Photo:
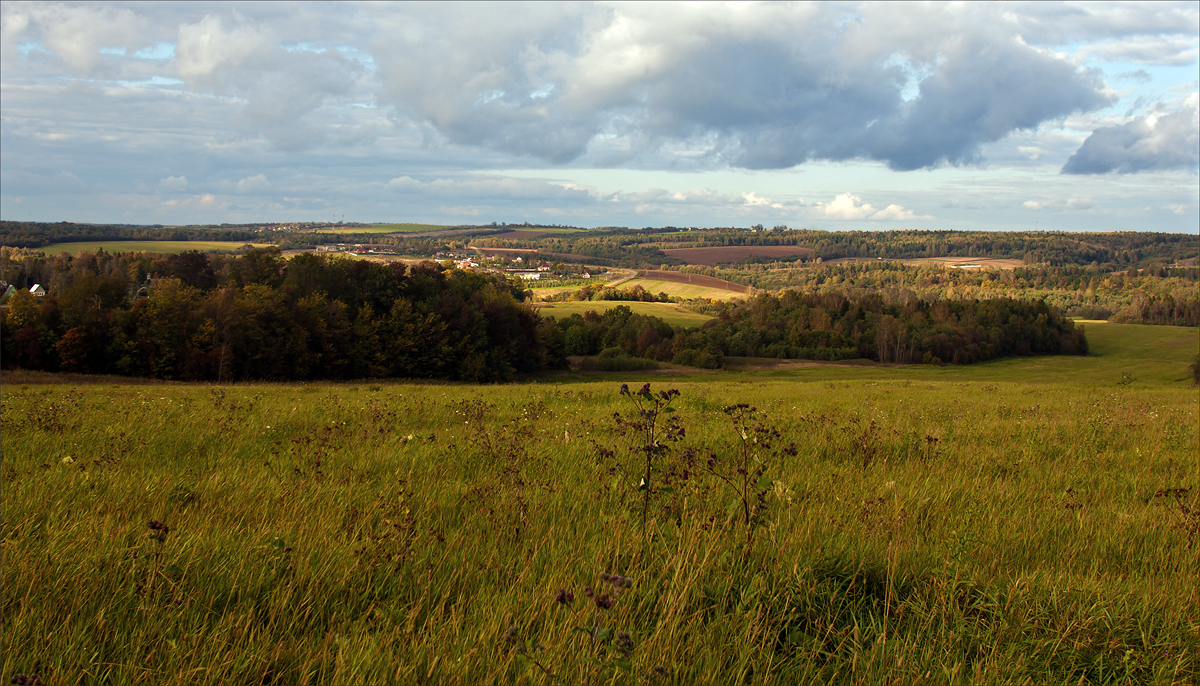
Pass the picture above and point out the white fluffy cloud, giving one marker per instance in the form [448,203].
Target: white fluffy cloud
[73,35]
[850,206]
[253,184]
[1059,204]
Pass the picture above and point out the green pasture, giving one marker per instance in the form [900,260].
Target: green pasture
[668,312]
[147,246]
[682,290]
[1121,355]
[1015,522]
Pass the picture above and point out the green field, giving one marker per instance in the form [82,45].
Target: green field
[1152,356]
[681,290]
[147,246]
[1009,522]
[669,312]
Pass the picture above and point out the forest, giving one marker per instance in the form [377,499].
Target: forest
[835,326]
[194,316]
[40,234]
[1108,250]
[261,316]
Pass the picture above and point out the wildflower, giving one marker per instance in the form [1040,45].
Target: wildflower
[603,601]
[156,525]
[564,597]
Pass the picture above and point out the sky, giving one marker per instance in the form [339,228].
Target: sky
[833,116]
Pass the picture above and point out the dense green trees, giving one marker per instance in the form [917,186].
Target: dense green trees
[642,248]
[835,326]
[38,234]
[262,317]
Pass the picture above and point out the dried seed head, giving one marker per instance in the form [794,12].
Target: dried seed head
[510,636]
[624,643]
[603,601]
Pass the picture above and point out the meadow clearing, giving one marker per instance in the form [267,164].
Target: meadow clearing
[1020,521]
[681,290]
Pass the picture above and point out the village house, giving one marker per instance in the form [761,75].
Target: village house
[37,290]
[527,274]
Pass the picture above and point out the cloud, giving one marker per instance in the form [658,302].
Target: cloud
[205,201]
[280,88]
[1157,141]
[572,197]
[1139,76]
[75,35]
[253,184]
[898,213]
[332,101]
[1154,50]
[173,184]
[914,87]
[845,206]
[850,206]
[487,186]
[1059,204]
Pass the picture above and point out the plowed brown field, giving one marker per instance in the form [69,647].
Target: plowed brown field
[732,253]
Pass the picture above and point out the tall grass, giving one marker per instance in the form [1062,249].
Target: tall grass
[924,531]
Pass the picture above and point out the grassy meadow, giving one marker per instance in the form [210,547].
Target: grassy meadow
[682,290]
[148,246]
[1021,521]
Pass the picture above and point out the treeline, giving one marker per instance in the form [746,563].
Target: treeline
[601,292]
[261,317]
[633,247]
[610,247]
[1113,250]
[1147,296]
[38,234]
[835,326]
